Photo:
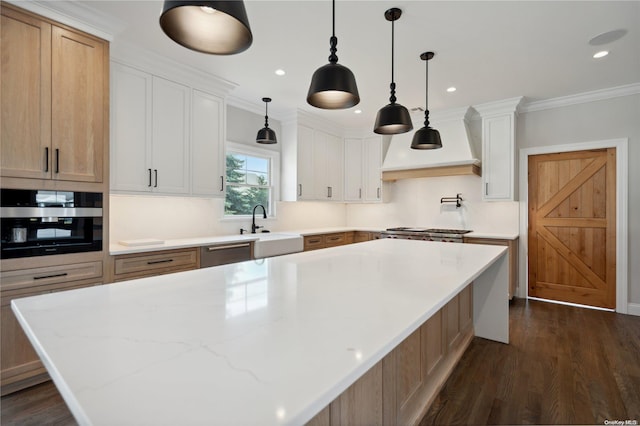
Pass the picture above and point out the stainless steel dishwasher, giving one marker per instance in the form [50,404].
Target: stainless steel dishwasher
[221,254]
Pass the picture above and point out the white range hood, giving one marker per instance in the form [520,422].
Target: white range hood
[456,157]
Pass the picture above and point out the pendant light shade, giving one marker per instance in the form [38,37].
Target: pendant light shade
[426,137]
[215,27]
[266,135]
[393,118]
[333,86]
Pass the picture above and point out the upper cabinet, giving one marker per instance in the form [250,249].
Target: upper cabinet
[54,98]
[166,137]
[362,162]
[312,163]
[498,149]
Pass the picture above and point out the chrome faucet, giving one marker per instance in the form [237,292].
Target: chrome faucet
[253,220]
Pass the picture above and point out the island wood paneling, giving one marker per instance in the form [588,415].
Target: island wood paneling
[399,389]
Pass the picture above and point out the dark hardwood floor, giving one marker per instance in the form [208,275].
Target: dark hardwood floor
[564,365]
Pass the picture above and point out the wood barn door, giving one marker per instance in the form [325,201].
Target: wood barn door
[572,227]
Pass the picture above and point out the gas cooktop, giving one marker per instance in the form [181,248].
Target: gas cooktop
[430,230]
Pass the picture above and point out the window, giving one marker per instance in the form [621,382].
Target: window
[250,180]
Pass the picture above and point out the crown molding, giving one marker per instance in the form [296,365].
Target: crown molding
[505,106]
[581,98]
[75,14]
[258,108]
[161,66]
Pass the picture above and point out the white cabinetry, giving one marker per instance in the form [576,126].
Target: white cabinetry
[312,164]
[207,145]
[362,178]
[328,167]
[498,149]
[166,138]
[170,150]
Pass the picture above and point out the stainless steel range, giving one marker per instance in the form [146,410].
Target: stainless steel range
[426,234]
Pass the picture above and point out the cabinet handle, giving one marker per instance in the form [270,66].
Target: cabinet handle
[155,171]
[334,238]
[486,188]
[299,190]
[314,241]
[328,192]
[155,262]
[46,159]
[360,193]
[57,160]
[230,246]
[378,192]
[42,277]
[221,183]
[149,178]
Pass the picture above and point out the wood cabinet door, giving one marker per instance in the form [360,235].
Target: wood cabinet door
[170,153]
[572,227]
[26,96]
[79,76]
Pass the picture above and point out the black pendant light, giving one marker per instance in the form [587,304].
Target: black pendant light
[216,27]
[426,137]
[393,118]
[266,135]
[333,86]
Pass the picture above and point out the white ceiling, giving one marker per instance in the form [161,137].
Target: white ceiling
[489,50]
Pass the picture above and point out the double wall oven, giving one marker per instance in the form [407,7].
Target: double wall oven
[40,223]
[426,234]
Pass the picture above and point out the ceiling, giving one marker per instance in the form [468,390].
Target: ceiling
[488,50]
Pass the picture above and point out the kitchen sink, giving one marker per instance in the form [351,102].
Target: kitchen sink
[276,244]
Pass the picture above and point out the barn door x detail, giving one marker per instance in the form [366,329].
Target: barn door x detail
[572,227]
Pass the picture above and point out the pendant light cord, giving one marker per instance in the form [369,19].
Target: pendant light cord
[333,58]
[392,98]
[266,114]
[426,95]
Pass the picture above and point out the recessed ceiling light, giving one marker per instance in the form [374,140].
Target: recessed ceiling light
[358,111]
[451,89]
[280,72]
[601,54]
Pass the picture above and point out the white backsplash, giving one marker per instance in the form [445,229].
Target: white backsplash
[416,202]
[162,217]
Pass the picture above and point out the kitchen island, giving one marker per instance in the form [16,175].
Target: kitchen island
[271,341]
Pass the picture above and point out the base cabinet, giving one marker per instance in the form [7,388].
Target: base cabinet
[20,365]
[148,264]
[399,389]
[513,257]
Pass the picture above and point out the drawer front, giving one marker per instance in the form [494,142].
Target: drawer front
[50,275]
[312,242]
[338,239]
[223,254]
[362,236]
[486,241]
[156,262]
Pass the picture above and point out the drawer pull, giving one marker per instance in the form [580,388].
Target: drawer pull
[230,246]
[155,262]
[314,241]
[42,277]
[334,238]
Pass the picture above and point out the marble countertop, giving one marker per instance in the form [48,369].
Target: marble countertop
[116,249]
[270,341]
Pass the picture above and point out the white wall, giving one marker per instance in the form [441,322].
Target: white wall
[416,202]
[243,126]
[594,121]
[152,216]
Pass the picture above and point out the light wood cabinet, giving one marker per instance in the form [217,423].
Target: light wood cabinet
[54,100]
[147,264]
[320,241]
[399,388]
[513,257]
[19,364]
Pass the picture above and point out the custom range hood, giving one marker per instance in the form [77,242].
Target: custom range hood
[458,156]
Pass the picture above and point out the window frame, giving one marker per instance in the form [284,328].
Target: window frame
[274,175]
